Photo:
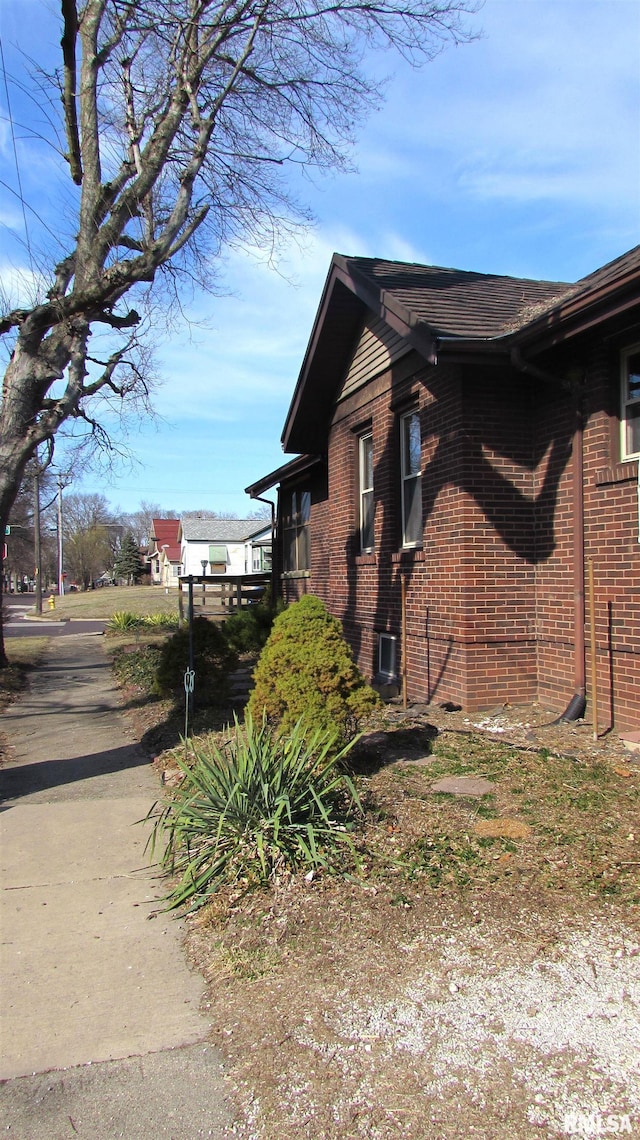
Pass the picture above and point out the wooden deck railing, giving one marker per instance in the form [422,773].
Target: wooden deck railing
[220,595]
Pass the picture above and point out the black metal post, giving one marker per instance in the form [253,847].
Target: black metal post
[191,638]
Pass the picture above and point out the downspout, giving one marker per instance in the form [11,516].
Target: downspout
[259,499]
[578,703]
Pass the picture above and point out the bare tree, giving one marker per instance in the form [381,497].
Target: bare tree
[20,562]
[140,522]
[180,119]
[91,536]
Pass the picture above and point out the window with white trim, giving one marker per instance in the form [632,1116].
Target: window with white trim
[411,479]
[262,558]
[366,492]
[387,656]
[630,404]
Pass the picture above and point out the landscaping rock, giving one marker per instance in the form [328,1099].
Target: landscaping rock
[463,786]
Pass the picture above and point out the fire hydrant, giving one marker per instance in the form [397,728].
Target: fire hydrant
[52,602]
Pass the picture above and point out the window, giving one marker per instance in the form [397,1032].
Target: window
[630,410]
[262,558]
[387,643]
[218,559]
[366,493]
[411,458]
[297,512]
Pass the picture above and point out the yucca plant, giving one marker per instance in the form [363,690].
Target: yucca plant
[122,621]
[261,804]
[161,620]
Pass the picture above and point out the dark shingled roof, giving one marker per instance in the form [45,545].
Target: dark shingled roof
[440,310]
[456,302]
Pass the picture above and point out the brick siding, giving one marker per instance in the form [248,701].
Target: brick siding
[490,596]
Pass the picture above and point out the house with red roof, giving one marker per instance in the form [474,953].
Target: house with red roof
[464,488]
[164,552]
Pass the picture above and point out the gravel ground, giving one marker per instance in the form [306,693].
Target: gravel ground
[351,1010]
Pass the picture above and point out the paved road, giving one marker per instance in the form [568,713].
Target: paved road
[102,1032]
[21,622]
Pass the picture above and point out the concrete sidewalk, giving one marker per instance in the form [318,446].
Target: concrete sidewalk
[92,974]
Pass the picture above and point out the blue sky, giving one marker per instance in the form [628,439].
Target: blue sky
[518,153]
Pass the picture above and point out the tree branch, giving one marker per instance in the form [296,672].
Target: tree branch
[68,45]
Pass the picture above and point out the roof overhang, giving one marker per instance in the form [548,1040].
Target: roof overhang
[608,300]
[292,470]
[346,297]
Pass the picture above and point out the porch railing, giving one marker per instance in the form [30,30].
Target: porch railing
[220,595]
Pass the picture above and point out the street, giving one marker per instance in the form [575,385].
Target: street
[17,624]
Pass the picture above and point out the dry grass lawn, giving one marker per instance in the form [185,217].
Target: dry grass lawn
[480,974]
[102,603]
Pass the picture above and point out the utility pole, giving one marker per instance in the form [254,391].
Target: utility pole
[36,538]
[60,562]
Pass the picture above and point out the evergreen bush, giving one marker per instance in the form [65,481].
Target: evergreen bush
[213,661]
[248,629]
[306,672]
[128,562]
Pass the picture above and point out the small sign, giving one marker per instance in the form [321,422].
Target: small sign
[7,530]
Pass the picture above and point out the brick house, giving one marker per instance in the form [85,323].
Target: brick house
[468,457]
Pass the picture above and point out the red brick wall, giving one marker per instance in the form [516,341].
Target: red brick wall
[490,597]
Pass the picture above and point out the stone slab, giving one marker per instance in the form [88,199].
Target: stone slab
[463,786]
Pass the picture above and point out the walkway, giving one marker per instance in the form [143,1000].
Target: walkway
[92,974]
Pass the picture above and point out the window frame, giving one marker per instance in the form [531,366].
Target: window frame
[407,476]
[366,498]
[627,401]
[390,639]
[262,560]
[296,535]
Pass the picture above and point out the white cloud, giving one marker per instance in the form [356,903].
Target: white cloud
[546,103]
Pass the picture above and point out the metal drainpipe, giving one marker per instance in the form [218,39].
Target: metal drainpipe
[578,703]
[259,499]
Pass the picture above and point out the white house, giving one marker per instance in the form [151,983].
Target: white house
[224,546]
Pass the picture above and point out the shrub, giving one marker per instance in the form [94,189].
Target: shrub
[213,660]
[248,629]
[306,671]
[259,805]
[137,667]
[122,621]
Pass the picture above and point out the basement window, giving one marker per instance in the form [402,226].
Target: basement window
[387,656]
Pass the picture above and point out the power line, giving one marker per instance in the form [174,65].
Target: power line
[15,155]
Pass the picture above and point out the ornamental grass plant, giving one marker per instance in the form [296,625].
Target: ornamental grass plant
[260,805]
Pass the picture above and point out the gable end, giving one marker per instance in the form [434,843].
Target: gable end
[377,349]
